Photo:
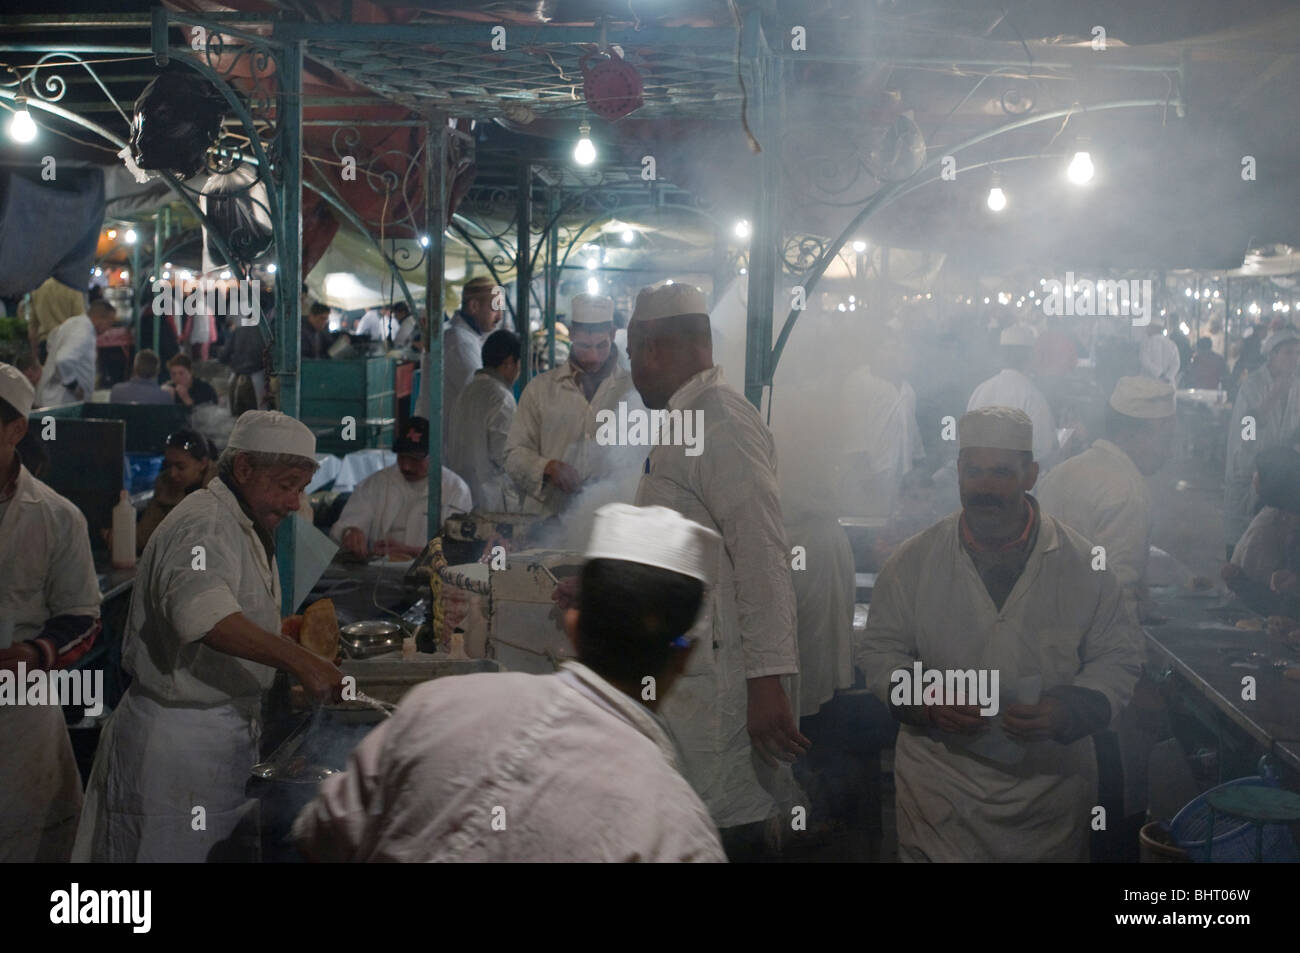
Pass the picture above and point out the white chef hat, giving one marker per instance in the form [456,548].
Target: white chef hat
[1017,335]
[666,301]
[591,309]
[16,389]
[1143,397]
[269,431]
[996,428]
[654,536]
[1280,336]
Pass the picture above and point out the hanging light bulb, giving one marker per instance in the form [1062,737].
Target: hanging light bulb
[742,229]
[628,236]
[859,246]
[112,234]
[1080,169]
[593,286]
[21,127]
[584,153]
[997,199]
[130,236]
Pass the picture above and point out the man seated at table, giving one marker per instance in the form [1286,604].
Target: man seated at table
[388,511]
[1265,567]
[316,337]
[184,387]
[188,465]
[143,386]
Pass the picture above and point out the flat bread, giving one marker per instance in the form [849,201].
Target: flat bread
[320,629]
[1251,625]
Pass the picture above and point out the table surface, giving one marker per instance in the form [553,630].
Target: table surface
[113,582]
[1201,646]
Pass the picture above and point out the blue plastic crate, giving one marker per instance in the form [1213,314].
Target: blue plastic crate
[1235,841]
[142,470]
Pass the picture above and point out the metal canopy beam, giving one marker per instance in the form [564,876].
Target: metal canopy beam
[435,219]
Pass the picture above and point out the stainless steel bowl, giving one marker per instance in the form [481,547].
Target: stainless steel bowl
[372,637]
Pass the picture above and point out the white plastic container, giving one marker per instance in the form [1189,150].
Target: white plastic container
[123,533]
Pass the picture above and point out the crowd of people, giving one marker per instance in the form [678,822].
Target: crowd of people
[987,484]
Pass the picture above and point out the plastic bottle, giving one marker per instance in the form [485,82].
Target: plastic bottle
[123,533]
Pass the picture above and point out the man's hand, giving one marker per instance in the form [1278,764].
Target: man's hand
[321,679]
[22,652]
[1284,580]
[354,541]
[183,393]
[563,476]
[1040,722]
[956,719]
[771,722]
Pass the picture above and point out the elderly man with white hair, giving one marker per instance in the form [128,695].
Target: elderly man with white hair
[202,645]
[731,715]
[1002,589]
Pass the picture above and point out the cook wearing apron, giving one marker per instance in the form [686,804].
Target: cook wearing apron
[49,617]
[202,644]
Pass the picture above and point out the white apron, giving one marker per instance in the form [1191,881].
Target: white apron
[155,794]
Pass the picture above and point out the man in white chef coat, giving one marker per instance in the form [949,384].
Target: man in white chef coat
[68,374]
[480,426]
[998,587]
[1102,493]
[482,306]
[202,645]
[49,617]
[730,714]
[388,512]
[1011,387]
[1267,412]
[1158,355]
[572,767]
[552,452]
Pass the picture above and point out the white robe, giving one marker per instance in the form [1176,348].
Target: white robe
[70,361]
[476,443]
[1281,422]
[48,570]
[498,768]
[188,725]
[1159,358]
[1102,496]
[554,421]
[874,427]
[1010,388]
[1062,621]
[387,506]
[462,355]
[747,627]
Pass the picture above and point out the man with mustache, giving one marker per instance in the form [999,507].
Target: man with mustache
[1000,587]
[202,645]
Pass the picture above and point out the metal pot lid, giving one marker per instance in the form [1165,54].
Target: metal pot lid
[371,630]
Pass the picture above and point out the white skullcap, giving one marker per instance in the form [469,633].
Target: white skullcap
[1280,336]
[1143,397]
[269,431]
[995,428]
[1018,335]
[666,301]
[654,536]
[16,389]
[591,309]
